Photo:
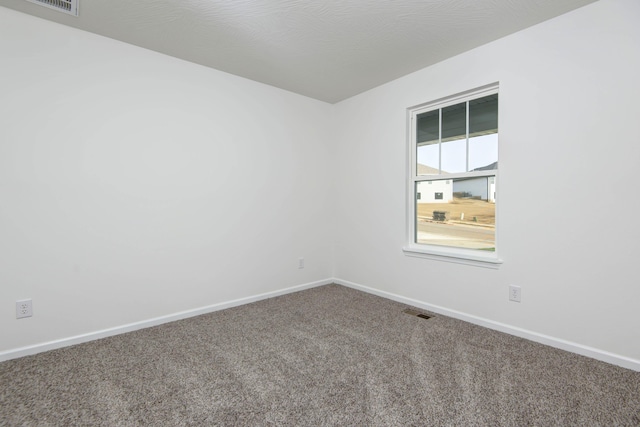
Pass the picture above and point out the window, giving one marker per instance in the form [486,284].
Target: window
[453,146]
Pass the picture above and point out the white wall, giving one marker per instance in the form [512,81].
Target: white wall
[135,185]
[569,91]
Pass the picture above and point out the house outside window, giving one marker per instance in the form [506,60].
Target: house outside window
[453,163]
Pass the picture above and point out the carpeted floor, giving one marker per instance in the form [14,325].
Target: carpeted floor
[325,356]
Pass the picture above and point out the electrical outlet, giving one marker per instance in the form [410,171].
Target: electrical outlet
[514,293]
[24,308]
[300,262]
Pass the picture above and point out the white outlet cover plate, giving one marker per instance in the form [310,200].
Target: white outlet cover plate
[24,308]
[514,293]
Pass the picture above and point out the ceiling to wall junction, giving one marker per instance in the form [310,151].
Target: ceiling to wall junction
[329,49]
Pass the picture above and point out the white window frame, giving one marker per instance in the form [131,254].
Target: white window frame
[444,253]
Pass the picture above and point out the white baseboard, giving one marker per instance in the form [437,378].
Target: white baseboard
[594,353]
[91,336]
[583,350]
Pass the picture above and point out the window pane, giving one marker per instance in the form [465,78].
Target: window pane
[428,127]
[454,122]
[454,156]
[454,138]
[458,213]
[483,152]
[428,159]
[427,143]
[483,115]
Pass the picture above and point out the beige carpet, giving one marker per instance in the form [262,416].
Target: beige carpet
[324,356]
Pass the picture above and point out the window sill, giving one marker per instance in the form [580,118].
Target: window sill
[455,255]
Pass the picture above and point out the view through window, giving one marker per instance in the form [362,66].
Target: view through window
[455,146]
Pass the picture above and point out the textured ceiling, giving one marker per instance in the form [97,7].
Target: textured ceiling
[325,49]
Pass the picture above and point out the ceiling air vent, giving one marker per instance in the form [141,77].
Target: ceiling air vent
[66,6]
